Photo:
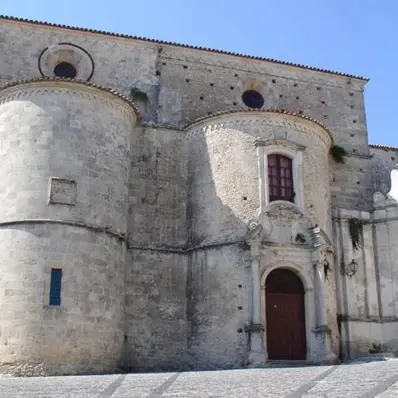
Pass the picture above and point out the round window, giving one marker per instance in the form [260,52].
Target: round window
[252,99]
[65,69]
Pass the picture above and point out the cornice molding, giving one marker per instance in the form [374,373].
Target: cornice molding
[14,89]
[174,44]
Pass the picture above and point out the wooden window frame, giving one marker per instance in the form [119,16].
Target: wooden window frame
[280,178]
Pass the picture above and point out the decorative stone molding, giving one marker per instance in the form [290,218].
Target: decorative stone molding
[44,86]
[297,159]
[62,191]
[351,268]
[282,143]
[261,118]
[66,52]
[381,201]
[283,210]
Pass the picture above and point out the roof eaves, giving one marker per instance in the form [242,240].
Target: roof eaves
[384,147]
[101,32]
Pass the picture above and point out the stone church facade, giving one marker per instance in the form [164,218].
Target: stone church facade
[166,207]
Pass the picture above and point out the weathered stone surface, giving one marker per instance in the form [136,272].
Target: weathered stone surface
[360,380]
[149,217]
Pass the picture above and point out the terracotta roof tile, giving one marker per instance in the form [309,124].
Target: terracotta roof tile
[9,18]
[384,147]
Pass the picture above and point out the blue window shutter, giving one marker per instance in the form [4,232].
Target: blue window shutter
[55,286]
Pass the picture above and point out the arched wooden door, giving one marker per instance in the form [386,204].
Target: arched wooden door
[285,316]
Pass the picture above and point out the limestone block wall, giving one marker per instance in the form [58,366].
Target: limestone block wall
[384,160]
[158,188]
[117,63]
[64,193]
[185,83]
[223,196]
[352,183]
[224,175]
[201,82]
[156,311]
[367,298]
[218,307]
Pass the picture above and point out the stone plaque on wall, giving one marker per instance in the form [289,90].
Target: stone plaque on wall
[62,191]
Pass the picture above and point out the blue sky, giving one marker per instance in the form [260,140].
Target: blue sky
[352,36]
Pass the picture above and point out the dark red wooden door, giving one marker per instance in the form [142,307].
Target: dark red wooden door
[285,317]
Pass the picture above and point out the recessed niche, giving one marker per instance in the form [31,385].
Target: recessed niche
[185,67]
[354,121]
[273,81]
[231,87]
[236,75]
[280,95]
[244,197]
[201,97]
[297,98]
[234,103]
[163,63]
[240,307]
[295,85]
[157,73]
[318,88]
[187,80]
[351,94]
[212,84]
[323,102]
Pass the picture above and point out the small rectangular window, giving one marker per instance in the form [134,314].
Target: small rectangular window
[55,286]
[280,178]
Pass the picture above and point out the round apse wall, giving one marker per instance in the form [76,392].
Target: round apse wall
[66,60]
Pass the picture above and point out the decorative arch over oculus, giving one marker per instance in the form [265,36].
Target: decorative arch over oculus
[66,53]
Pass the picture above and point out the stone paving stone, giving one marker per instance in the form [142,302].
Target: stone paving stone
[142,385]
[55,387]
[359,380]
[242,383]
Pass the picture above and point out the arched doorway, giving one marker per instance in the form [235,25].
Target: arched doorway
[285,316]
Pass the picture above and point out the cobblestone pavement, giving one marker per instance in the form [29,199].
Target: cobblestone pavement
[362,380]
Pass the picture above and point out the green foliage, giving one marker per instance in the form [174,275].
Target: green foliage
[376,349]
[327,269]
[356,227]
[138,95]
[338,153]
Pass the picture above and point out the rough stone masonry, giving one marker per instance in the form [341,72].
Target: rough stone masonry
[167,207]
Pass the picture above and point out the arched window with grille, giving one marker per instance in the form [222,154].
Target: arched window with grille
[280,178]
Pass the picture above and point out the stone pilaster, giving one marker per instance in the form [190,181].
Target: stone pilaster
[322,331]
[255,329]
